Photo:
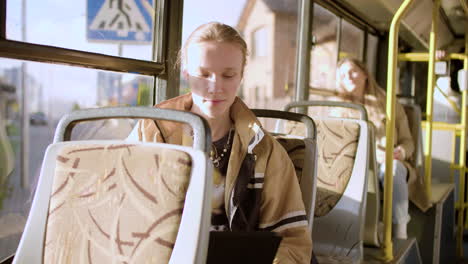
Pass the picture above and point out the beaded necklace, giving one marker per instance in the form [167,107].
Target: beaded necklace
[214,156]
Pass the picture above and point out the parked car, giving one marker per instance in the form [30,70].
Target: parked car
[38,119]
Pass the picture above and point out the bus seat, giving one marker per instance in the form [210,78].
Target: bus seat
[413,113]
[343,167]
[105,201]
[302,153]
[326,196]
[302,150]
[7,156]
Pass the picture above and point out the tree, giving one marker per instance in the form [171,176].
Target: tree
[143,94]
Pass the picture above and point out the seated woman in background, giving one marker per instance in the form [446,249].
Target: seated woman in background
[255,185]
[356,85]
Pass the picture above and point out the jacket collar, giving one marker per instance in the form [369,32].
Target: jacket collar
[247,124]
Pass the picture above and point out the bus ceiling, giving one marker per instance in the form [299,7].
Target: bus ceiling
[416,24]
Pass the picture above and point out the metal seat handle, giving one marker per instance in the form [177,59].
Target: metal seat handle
[358,107]
[306,120]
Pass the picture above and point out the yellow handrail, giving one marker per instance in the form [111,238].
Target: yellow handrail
[450,101]
[423,56]
[452,158]
[390,126]
[461,161]
[430,98]
[443,126]
[458,56]
[413,56]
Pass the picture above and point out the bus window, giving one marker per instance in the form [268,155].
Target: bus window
[351,41]
[269,28]
[324,53]
[51,91]
[118,28]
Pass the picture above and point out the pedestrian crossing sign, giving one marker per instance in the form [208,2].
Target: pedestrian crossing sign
[120,21]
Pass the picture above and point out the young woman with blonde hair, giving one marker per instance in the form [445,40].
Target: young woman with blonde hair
[255,186]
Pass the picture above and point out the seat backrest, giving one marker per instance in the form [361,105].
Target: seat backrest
[337,142]
[302,151]
[346,160]
[118,205]
[117,201]
[303,154]
[326,197]
[343,165]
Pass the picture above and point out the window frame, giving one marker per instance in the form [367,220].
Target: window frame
[168,16]
[305,36]
[167,32]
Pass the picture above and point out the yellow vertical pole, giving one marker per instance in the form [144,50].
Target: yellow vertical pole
[452,162]
[461,161]
[430,97]
[390,126]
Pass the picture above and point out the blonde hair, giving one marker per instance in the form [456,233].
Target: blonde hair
[218,32]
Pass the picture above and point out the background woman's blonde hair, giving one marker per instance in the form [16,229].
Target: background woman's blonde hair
[218,32]
[374,95]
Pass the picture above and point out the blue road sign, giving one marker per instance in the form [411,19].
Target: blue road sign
[120,21]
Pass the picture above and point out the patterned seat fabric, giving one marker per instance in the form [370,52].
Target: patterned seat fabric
[295,148]
[337,143]
[116,203]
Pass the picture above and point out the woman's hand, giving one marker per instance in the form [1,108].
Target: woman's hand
[399,153]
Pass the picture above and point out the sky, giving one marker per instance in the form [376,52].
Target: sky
[63,23]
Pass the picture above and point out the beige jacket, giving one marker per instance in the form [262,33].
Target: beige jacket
[264,197]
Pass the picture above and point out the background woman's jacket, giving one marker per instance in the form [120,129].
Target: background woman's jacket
[375,106]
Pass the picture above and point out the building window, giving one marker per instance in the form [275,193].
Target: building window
[259,42]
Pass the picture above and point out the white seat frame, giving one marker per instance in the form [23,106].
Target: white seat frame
[340,233]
